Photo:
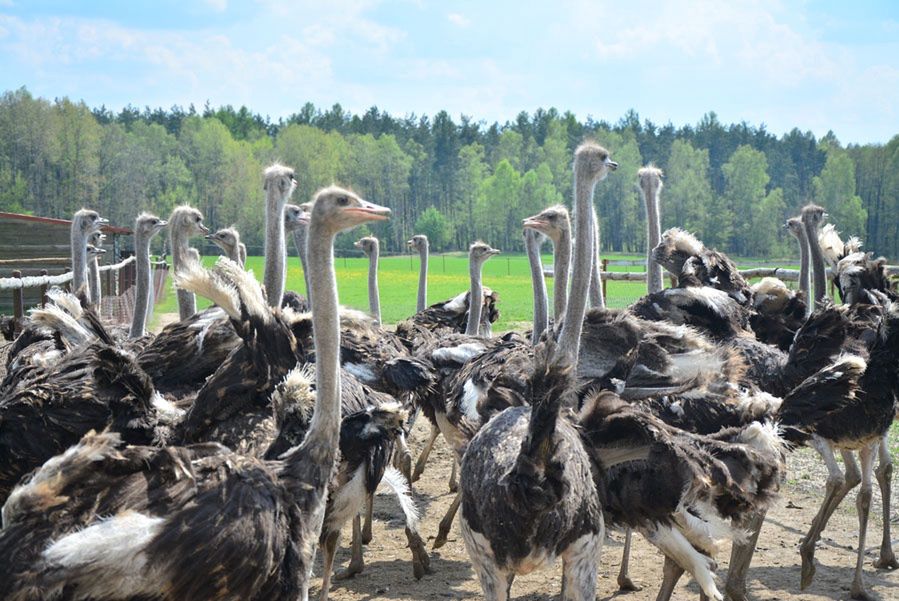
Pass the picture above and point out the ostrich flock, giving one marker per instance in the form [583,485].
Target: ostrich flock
[213,459]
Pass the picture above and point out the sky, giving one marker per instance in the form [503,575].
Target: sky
[819,66]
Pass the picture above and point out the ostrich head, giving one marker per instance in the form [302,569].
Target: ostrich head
[338,209]
[148,225]
[813,214]
[280,180]
[97,239]
[418,242]
[88,222]
[295,217]
[552,222]
[593,161]
[368,244]
[675,247]
[188,220]
[95,251]
[794,226]
[770,296]
[226,239]
[479,252]
[649,179]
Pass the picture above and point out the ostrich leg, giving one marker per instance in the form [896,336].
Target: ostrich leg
[741,558]
[425,453]
[454,482]
[884,473]
[357,563]
[671,573]
[329,548]
[624,581]
[447,522]
[369,510]
[863,505]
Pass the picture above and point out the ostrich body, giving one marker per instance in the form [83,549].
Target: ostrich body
[555,223]
[372,249]
[184,223]
[532,242]
[279,185]
[419,242]
[274,509]
[85,223]
[95,251]
[650,184]
[228,239]
[145,227]
[778,312]
[523,504]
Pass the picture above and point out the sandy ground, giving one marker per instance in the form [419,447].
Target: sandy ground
[773,576]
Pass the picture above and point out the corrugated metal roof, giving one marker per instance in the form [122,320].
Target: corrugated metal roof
[107,229]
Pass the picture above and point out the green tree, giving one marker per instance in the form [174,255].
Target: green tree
[435,226]
[834,189]
[687,194]
[746,176]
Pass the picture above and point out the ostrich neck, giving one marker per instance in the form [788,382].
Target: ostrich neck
[475,298]
[275,252]
[142,284]
[596,299]
[541,319]
[422,279]
[187,302]
[584,255]
[79,260]
[234,253]
[93,268]
[817,260]
[374,297]
[299,240]
[325,425]
[561,265]
[803,269]
[653,235]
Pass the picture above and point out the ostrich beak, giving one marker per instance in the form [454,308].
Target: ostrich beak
[162,223]
[612,165]
[204,229]
[370,211]
[209,236]
[494,251]
[102,221]
[533,223]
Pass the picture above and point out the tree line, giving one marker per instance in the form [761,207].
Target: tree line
[454,179]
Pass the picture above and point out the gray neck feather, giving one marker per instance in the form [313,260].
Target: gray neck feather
[817,260]
[653,235]
[79,257]
[275,251]
[541,319]
[803,269]
[423,278]
[596,299]
[561,266]
[93,268]
[299,240]
[178,240]
[143,284]
[374,296]
[584,255]
[475,297]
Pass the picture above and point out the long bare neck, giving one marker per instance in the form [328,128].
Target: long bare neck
[541,319]
[299,240]
[325,427]
[143,285]
[803,268]
[596,298]
[422,278]
[374,296]
[179,241]
[653,235]
[561,266]
[79,259]
[93,268]
[475,298]
[584,255]
[817,260]
[242,254]
[275,252]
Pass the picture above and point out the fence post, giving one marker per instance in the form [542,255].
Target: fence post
[605,267]
[43,290]
[18,299]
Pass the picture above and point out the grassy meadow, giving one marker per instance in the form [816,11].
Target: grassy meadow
[508,275]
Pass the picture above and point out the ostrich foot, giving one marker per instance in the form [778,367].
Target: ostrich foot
[626,584]
[421,562]
[447,522]
[858,591]
[351,570]
[807,552]
[887,561]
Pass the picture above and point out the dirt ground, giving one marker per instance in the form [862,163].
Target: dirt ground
[774,574]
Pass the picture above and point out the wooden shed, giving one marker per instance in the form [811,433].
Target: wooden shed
[30,245]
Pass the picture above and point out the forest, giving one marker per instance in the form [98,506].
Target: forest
[454,179]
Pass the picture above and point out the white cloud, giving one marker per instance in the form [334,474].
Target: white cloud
[7,3]
[217,5]
[458,19]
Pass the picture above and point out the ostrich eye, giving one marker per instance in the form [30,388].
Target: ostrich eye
[343,201]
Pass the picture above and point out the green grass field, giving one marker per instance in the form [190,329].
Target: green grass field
[448,276]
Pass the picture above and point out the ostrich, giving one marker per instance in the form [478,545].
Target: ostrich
[650,184]
[596,298]
[555,223]
[279,185]
[778,312]
[184,223]
[372,249]
[833,248]
[296,222]
[95,251]
[274,509]
[419,243]
[228,239]
[478,253]
[795,227]
[145,227]
[533,240]
[85,223]
[812,216]
[527,491]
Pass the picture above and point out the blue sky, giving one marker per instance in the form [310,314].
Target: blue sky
[814,65]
